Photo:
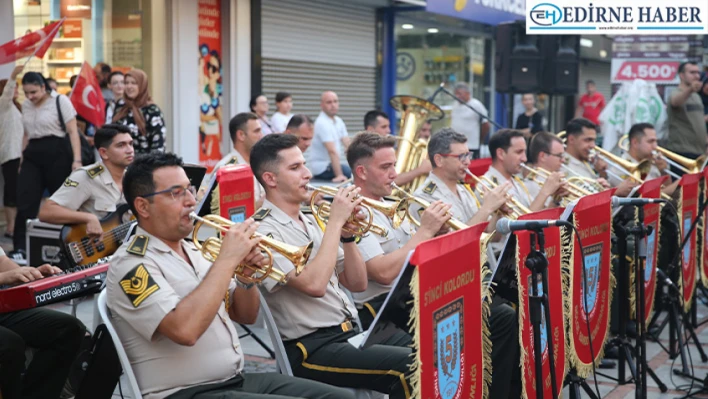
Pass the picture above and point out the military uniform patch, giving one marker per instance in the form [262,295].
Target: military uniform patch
[430,188]
[306,209]
[261,214]
[232,161]
[139,245]
[138,285]
[269,235]
[95,171]
[495,181]
[70,183]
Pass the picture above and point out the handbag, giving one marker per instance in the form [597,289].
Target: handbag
[88,156]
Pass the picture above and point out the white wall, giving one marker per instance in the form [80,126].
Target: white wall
[7,32]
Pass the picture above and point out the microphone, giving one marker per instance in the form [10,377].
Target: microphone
[506,226]
[666,280]
[617,201]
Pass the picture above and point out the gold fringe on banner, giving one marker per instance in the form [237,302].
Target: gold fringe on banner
[701,233]
[486,274]
[650,311]
[416,365]
[686,304]
[523,353]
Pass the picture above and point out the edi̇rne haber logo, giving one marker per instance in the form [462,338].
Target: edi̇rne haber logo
[604,17]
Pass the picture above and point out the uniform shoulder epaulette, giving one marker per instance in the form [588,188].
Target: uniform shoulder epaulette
[232,161]
[94,171]
[430,188]
[261,214]
[494,180]
[139,245]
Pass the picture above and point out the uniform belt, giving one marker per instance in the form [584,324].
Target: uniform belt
[347,326]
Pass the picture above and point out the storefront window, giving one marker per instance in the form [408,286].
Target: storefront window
[95,31]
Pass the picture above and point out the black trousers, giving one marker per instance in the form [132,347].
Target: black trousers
[57,338]
[326,356]
[367,314]
[262,386]
[46,164]
[504,329]
[10,172]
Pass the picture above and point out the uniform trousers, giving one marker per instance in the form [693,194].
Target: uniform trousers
[325,355]
[56,337]
[504,331]
[263,386]
[46,164]
[368,312]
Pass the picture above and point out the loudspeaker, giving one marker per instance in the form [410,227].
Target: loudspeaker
[561,64]
[518,61]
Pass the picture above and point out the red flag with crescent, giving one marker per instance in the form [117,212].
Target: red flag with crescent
[87,98]
[36,43]
[688,209]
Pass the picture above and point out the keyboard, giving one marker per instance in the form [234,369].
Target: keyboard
[72,283]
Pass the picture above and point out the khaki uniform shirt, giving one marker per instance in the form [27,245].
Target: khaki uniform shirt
[580,168]
[145,282]
[464,204]
[372,245]
[233,158]
[90,189]
[518,189]
[297,314]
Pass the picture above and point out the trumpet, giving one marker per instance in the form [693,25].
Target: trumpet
[685,164]
[211,247]
[574,190]
[517,208]
[452,223]
[395,211]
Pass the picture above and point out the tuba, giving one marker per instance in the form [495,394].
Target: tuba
[211,247]
[411,151]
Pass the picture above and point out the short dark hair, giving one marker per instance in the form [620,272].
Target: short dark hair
[541,142]
[637,130]
[589,82]
[105,134]
[371,117]
[114,73]
[138,178]
[35,78]
[575,126]
[265,154]
[51,79]
[297,120]
[502,139]
[105,68]
[282,96]
[682,66]
[239,122]
[365,144]
[440,142]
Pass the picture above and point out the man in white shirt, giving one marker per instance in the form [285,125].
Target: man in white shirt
[469,122]
[330,134]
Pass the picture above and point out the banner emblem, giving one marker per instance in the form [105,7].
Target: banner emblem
[593,258]
[649,266]
[687,248]
[448,327]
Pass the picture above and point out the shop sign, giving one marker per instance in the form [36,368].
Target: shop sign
[655,71]
[76,8]
[490,12]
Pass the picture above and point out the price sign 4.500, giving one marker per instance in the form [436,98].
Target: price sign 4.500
[649,70]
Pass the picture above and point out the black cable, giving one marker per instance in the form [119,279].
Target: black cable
[120,389]
[585,303]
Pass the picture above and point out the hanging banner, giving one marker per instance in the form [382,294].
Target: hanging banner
[652,219]
[704,235]
[210,83]
[687,210]
[556,288]
[590,268]
[452,352]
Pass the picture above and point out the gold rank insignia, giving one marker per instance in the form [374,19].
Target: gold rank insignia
[138,285]
[261,214]
[95,171]
[139,245]
[430,188]
[232,161]
[269,235]
[70,183]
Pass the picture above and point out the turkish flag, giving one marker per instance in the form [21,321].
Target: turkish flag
[87,98]
[34,43]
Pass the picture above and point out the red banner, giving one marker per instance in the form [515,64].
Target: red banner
[36,43]
[657,71]
[556,288]
[652,218]
[704,234]
[688,209]
[87,98]
[210,83]
[592,217]
[452,351]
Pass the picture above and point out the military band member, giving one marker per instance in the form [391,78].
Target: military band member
[642,145]
[546,152]
[373,159]
[173,309]
[313,313]
[92,192]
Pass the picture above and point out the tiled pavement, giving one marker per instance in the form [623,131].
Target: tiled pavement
[257,361]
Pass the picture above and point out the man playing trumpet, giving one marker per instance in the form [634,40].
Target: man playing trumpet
[545,152]
[314,315]
[643,145]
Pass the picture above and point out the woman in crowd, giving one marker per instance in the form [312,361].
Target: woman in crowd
[11,133]
[259,106]
[284,104]
[48,157]
[140,114]
[531,121]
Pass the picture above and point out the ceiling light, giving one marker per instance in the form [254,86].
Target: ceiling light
[586,42]
[433,30]
[407,26]
[603,53]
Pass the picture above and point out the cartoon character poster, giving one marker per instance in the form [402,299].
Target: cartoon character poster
[210,83]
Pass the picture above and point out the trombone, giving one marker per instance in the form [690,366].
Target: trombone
[452,223]
[623,144]
[211,247]
[517,208]
[574,190]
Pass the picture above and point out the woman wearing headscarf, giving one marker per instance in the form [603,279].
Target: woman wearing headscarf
[11,133]
[141,115]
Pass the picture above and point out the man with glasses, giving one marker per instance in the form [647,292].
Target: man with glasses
[687,126]
[173,309]
[545,152]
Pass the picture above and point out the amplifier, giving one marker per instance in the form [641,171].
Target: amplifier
[44,244]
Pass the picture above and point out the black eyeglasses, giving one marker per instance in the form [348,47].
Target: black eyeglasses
[465,156]
[177,192]
[559,155]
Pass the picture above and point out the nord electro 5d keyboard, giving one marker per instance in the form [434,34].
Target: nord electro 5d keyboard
[72,283]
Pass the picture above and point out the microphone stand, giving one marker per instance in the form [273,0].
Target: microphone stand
[537,263]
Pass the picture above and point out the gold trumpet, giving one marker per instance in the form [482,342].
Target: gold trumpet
[517,208]
[211,247]
[394,211]
[623,144]
[687,165]
[452,223]
[540,175]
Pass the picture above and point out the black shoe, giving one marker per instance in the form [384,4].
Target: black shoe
[632,329]
[18,256]
[607,364]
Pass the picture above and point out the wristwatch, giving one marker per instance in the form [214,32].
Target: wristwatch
[346,240]
[244,285]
